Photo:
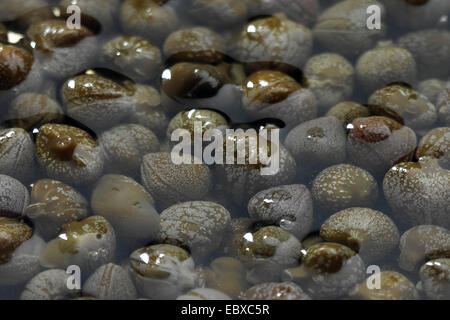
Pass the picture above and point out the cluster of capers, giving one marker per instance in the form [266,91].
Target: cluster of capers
[88,178]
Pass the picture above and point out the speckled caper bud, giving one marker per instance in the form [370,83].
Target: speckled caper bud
[418,192]
[151,19]
[186,120]
[416,14]
[16,154]
[348,111]
[414,108]
[431,51]
[342,28]
[125,145]
[275,291]
[14,197]
[273,94]
[383,65]
[267,252]
[317,143]
[392,286]
[53,204]
[343,186]
[97,102]
[110,282]
[31,110]
[170,183]
[218,13]
[328,270]
[197,225]
[288,206]
[197,44]
[331,78]
[88,243]
[149,112]
[273,43]
[436,144]
[435,279]
[369,232]
[375,143]
[49,285]
[431,88]
[421,244]
[134,57]
[162,271]
[68,154]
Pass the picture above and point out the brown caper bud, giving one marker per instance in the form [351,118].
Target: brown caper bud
[53,204]
[418,192]
[392,286]
[62,51]
[435,279]
[15,65]
[69,154]
[369,232]
[266,43]
[421,244]
[190,81]
[19,252]
[197,44]
[328,270]
[273,94]
[96,101]
[348,111]
[134,57]
[414,108]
